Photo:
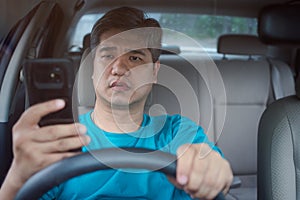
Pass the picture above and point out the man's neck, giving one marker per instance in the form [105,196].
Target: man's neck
[117,120]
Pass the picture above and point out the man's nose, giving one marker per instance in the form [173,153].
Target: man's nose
[120,66]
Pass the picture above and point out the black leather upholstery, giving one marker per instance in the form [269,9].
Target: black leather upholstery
[279,150]
[279,128]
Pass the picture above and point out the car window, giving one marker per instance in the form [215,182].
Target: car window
[205,29]
[9,42]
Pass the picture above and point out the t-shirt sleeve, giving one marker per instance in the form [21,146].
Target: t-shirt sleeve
[185,131]
[201,137]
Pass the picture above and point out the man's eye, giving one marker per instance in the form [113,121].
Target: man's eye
[135,58]
[107,57]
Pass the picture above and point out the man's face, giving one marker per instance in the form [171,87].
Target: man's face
[123,69]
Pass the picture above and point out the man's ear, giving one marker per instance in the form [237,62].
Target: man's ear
[155,71]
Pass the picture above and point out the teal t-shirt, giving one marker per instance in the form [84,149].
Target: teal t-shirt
[165,133]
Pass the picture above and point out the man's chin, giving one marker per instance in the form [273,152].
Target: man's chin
[125,104]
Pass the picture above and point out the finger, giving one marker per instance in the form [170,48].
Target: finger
[49,159]
[210,187]
[226,189]
[185,158]
[206,193]
[174,182]
[209,192]
[224,176]
[215,180]
[204,173]
[227,177]
[203,191]
[65,144]
[33,115]
[55,157]
[196,177]
[56,132]
[195,186]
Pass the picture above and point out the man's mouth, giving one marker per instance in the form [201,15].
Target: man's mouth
[119,86]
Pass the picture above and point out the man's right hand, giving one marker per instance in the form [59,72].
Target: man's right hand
[36,147]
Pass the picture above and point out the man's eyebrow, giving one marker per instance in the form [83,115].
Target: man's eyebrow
[104,48]
[136,51]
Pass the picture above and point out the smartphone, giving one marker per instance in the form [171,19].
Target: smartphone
[47,79]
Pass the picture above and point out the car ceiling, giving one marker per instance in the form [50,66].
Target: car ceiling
[12,10]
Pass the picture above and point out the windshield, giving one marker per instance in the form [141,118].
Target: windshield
[205,29]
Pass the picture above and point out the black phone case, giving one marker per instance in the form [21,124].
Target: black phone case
[47,79]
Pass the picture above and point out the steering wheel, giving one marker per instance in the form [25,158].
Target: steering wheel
[130,158]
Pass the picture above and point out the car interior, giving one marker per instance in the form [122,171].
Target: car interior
[253,117]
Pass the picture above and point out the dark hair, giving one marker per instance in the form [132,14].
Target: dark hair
[126,18]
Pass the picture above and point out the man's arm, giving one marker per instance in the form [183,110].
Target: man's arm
[36,147]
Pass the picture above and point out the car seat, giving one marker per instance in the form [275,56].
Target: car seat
[279,128]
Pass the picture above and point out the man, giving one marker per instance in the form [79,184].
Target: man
[125,58]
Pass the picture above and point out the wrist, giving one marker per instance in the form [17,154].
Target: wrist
[11,185]
[14,177]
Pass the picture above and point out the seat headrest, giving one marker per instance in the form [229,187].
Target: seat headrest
[85,88]
[170,49]
[280,24]
[241,45]
[86,43]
